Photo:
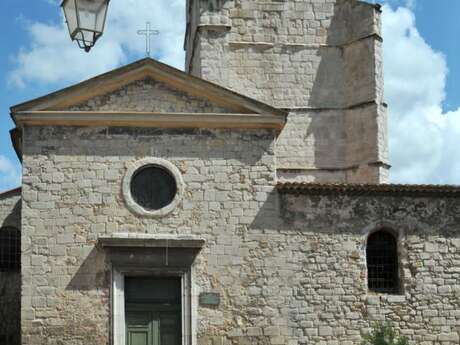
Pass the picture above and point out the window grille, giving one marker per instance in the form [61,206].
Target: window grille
[10,250]
[9,339]
[153,187]
[382,263]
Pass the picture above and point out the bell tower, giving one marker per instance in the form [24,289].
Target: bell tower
[319,59]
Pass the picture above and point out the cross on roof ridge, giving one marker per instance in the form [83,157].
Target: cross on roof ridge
[148,32]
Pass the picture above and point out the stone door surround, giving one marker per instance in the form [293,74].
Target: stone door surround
[140,254]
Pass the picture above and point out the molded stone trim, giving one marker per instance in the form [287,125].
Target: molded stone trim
[189,303]
[118,308]
[146,68]
[148,119]
[306,45]
[215,27]
[158,162]
[150,240]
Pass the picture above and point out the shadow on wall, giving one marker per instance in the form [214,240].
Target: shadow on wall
[353,214]
[300,214]
[93,273]
[14,218]
[10,308]
[10,291]
[339,82]
[328,84]
[245,146]
[327,126]
[88,289]
[214,5]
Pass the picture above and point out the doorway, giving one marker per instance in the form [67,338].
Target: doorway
[153,307]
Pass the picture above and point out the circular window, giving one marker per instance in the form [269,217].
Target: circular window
[153,188]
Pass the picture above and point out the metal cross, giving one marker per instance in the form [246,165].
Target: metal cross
[147,33]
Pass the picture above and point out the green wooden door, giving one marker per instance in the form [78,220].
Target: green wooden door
[153,311]
[170,328]
[142,328]
[153,325]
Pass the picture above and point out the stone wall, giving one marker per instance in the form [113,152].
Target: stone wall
[149,95]
[290,269]
[10,282]
[317,262]
[320,59]
[303,273]
[10,209]
[72,194]
[288,53]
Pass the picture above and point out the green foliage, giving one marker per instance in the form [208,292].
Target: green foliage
[384,334]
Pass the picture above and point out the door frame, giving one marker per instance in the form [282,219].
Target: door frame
[118,299]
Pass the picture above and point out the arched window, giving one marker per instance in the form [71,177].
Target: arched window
[382,262]
[10,249]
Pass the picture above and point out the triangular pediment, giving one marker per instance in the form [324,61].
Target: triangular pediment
[151,79]
[149,96]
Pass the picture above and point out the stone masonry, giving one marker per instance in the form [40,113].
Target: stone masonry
[289,265]
[321,60]
[10,282]
[290,269]
[149,96]
[72,195]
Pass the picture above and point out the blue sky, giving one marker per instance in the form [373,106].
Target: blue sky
[439,26]
[422,72]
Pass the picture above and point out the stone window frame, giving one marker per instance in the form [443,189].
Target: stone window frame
[118,299]
[156,162]
[398,232]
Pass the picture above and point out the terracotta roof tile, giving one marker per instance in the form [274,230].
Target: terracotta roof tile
[370,189]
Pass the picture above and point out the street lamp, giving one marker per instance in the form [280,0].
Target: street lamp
[85,20]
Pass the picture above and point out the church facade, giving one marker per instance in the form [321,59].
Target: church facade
[244,201]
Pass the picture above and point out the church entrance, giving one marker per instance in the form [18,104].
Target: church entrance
[153,310]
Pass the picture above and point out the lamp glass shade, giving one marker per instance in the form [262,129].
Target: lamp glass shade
[85,20]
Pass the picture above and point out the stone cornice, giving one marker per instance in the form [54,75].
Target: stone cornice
[300,169]
[150,240]
[148,119]
[268,45]
[363,104]
[214,27]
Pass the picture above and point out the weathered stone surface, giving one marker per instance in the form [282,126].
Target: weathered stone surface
[288,268]
[66,292]
[149,96]
[321,60]
[10,282]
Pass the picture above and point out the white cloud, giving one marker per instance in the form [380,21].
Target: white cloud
[51,57]
[423,141]
[10,176]
[411,4]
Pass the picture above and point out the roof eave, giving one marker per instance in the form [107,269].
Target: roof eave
[10,192]
[369,189]
[16,140]
[143,68]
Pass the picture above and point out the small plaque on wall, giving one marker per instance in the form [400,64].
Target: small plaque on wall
[209,299]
